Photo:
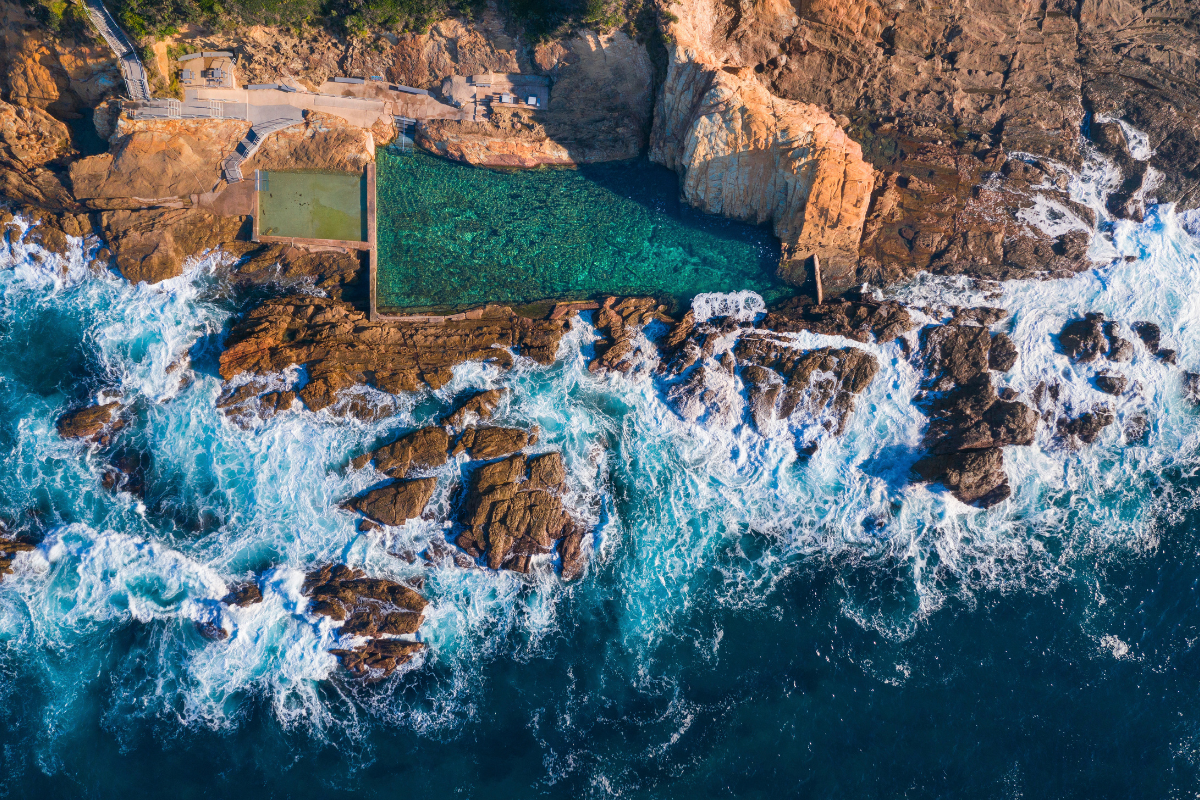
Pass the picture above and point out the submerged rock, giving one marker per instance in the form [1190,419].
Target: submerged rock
[1150,334]
[478,408]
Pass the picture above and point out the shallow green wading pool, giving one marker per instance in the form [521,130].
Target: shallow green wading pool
[313,205]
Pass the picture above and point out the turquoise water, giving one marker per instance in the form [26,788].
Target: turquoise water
[452,236]
[754,624]
[313,205]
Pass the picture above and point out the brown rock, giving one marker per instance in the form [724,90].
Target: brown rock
[243,595]
[1086,428]
[421,449]
[619,320]
[340,347]
[492,442]
[1002,355]
[152,246]
[9,548]
[368,607]
[1111,384]
[93,423]
[853,318]
[478,408]
[1083,339]
[973,476]
[395,503]
[510,516]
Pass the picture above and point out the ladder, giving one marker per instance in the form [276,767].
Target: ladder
[406,136]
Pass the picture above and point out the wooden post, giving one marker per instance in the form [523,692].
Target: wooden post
[817,278]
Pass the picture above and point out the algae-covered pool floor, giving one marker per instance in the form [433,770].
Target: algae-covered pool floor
[452,236]
[313,205]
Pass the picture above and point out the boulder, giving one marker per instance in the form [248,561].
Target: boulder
[493,442]
[244,594]
[514,511]
[852,316]
[1083,339]
[374,608]
[1002,355]
[477,408]
[422,449]
[10,547]
[93,423]
[973,476]
[1111,384]
[395,503]
[1086,428]
[1150,334]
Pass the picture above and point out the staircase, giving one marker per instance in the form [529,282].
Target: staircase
[231,167]
[132,70]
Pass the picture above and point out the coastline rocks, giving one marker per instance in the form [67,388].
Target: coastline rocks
[368,607]
[395,503]
[1150,334]
[94,423]
[969,422]
[493,442]
[340,348]
[973,476]
[854,318]
[781,379]
[421,449]
[514,511]
[1111,384]
[9,549]
[1083,339]
[242,595]
[619,320]
[744,153]
[154,245]
[1086,428]
[477,408]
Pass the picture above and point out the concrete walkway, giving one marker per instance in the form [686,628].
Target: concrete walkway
[131,66]
[231,167]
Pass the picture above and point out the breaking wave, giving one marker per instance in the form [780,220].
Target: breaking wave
[685,515]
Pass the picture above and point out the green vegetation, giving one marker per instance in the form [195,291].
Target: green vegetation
[539,18]
[63,17]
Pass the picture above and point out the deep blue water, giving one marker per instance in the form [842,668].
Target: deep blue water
[753,623]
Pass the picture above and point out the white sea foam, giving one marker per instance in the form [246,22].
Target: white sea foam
[741,306]
[671,501]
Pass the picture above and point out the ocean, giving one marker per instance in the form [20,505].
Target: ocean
[755,621]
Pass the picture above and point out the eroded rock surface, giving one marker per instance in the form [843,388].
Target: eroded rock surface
[94,423]
[422,449]
[514,511]
[969,422]
[395,503]
[340,348]
[374,608]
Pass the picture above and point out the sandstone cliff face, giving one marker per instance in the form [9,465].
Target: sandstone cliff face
[746,154]
[152,161]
